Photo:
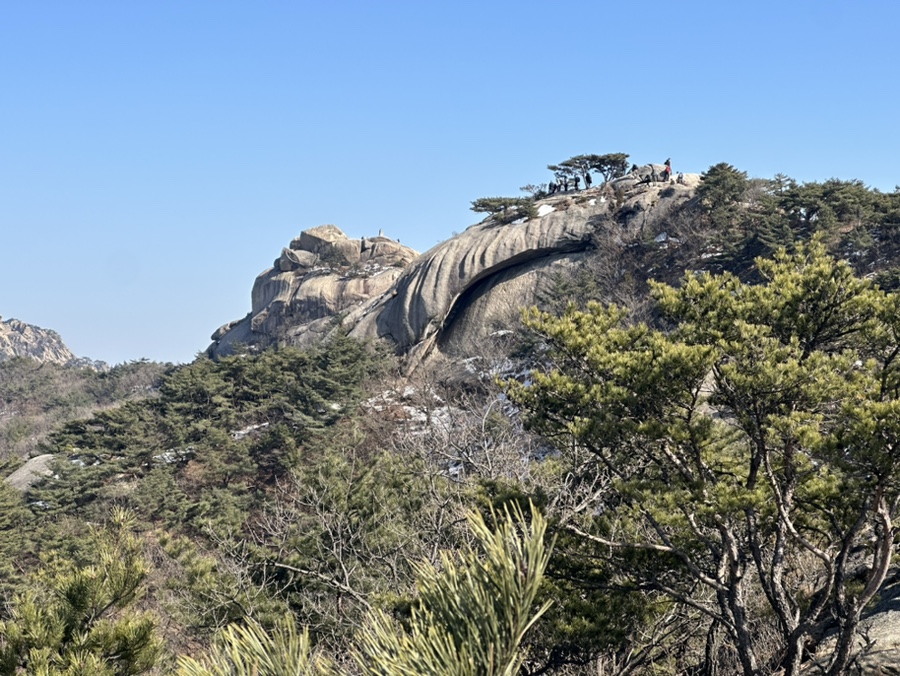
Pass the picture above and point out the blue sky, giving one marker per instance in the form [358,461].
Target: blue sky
[156,156]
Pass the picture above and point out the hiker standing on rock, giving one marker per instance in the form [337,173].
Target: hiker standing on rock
[668,169]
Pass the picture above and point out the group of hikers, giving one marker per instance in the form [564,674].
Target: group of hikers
[563,181]
[666,175]
[655,176]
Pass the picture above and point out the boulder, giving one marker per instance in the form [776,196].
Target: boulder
[877,646]
[31,472]
[318,239]
[291,260]
[322,274]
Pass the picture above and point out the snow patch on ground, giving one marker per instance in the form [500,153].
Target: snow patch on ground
[545,209]
[237,435]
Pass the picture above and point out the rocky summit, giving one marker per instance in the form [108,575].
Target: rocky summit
[18,339]
[321,276]
[453,300]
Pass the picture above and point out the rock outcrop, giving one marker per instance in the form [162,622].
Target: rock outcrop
[450,300]
[322,275]
[31,472]
[18,339]
[460,292]
[876,649]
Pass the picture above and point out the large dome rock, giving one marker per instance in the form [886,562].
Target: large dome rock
[453,291]
[450,301]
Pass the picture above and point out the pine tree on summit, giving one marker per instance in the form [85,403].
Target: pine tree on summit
[505,209]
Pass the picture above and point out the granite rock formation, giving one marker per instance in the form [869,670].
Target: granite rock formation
[18,339]
[322,275]
[31,472]
[449,301]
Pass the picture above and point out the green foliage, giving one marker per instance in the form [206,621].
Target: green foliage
[757,436]
[814,207]
[495,205]
[229,425]
[889,279]
[16,532]
[722,186]
[36,397]
[609,166]
[721,190]
[198,463]
[855,221]
[470,618]
[473,613]
[505,209]
[79,619]
[591,614]
[341,536]
[213,590]
[250,650]
[537,191]
[159,498]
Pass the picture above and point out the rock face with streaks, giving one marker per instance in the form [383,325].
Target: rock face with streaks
[455,296]
[450,301]
[18,339]
[322,275]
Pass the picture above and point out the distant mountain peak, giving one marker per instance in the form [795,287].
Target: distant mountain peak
[19,339]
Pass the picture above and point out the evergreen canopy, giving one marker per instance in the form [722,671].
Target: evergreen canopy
[760,437]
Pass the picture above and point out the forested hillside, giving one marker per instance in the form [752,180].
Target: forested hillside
[687,460]
[36,397]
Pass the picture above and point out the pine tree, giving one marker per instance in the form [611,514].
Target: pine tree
[472,614]
[749,450]
[79,620]
[250,650]
[470,618]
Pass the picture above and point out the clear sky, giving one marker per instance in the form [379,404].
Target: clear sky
[155,156]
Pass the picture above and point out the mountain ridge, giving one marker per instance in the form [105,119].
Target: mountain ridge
[20,339]
[454,297]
